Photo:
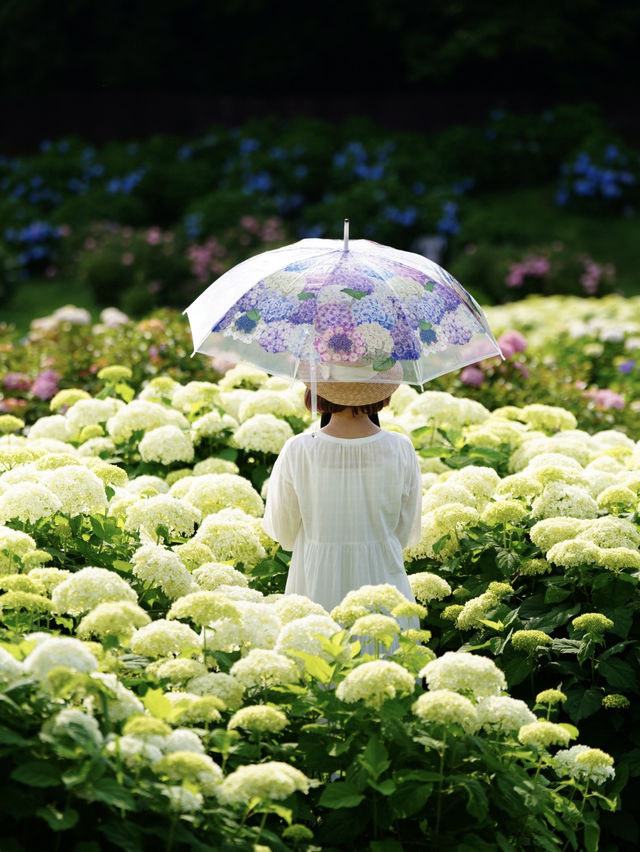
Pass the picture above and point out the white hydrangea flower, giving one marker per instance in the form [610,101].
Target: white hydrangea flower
[503,713]
[97,447]
[263,668]
[178,516]
[28,502]
[112,618]
[301,635]
[211,575]
[211,424]
[292,606]
[574,552]
[223,686]
[57,651]
[166,445]
[142,416]
[134,752]
[243,375]
[13,543]
[558,499]
[163,638]
[231,540]
[272,780]
[182,739]
[446,707]
[178,670]
[10,668]
[463,672]
[192,767]
[87,588]
[214,465]
[550,531]
[259,627]
[259,719]
[124,702]
[240,593]
[263,433]
[86,412]
[145,485]
[584,764]
[79,490]
[542,734]
[70,718]
[548,418]
[428,587]
[194,395]
[444,493]
[162,567]
[214,492]
[54,426]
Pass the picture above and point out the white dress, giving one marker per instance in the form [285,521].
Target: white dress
[346,507]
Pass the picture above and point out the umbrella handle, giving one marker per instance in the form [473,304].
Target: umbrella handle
[346,235]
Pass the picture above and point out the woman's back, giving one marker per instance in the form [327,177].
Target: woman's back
[346,507]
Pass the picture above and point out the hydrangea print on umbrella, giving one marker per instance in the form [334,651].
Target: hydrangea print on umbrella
[322,302]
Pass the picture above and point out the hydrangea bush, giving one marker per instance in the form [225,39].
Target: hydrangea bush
[158,687]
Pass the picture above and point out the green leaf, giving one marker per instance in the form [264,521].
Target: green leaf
[355,294]
[385,364]
[58,820]
[10,737]
[111,792]
[340,794]
[555,618]
[388,845]
[425,326]
[591,836]
[618,674]
[386,787]
[37,773]
[316,667]
[516,670]
[157,704]
[555,594]
[306,295]
[582,703]
[375,758]
[254,314]
[566,646]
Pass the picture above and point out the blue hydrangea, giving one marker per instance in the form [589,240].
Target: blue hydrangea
[407,346]
[251,298]
[374,309]
[245,323]
[273,307]
[434,307]
[428,336]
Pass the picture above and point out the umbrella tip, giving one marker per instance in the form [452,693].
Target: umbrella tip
[346,235]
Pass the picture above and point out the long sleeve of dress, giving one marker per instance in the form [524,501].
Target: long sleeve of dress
[282,518]
[409,525]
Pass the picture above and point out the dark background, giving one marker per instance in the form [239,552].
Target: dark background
[134,67]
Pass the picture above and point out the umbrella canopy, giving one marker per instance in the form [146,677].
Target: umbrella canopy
[315,308]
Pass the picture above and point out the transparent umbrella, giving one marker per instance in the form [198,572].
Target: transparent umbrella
[325,310]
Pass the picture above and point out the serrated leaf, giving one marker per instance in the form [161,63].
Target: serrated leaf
[125,391]
[618,674]
[355,294]
[306,295]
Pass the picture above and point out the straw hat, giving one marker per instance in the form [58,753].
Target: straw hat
[369,386]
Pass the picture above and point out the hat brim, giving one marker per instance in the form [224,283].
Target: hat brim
[354,393]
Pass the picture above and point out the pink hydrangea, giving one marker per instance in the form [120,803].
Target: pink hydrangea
[472,376]
[340,344]
[605,398]
[511,342]
[45,385]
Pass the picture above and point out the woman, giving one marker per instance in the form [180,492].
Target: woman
[346,499]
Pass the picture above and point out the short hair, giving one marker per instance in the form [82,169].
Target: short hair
[324,406]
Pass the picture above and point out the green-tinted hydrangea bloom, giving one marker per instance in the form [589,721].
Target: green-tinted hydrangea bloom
[530,640]
[550,696]
[615,701]
[592,622]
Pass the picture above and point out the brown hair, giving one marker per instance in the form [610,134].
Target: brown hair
[323,406]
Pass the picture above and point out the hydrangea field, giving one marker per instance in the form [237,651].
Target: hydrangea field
[159,691]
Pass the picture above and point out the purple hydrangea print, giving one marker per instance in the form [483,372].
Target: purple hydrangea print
[454,330]
[448,297]
[251,298]
[434,307]
[407,345]
[226,320]
[275,338]
[328,316]
[304,312]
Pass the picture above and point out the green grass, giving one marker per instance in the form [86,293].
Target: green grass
[41,296]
